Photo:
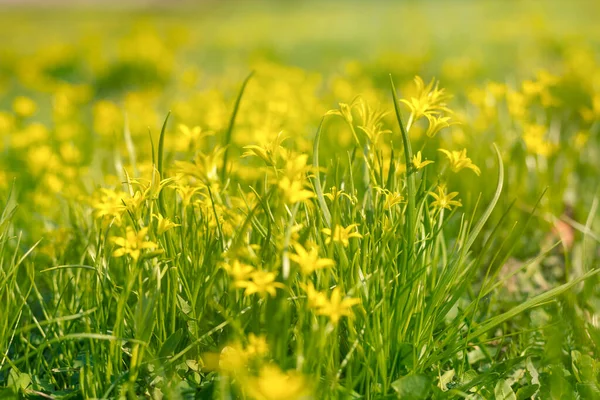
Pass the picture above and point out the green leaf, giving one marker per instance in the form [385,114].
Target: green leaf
[503,391]
[413,387]
[588,391]
[161,156]
[533,372]
[18,380]
[583,367]
[410,181]
[8,394]
[446,378]
[527,391]
[170,345]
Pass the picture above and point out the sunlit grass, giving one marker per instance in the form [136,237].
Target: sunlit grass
[348,229]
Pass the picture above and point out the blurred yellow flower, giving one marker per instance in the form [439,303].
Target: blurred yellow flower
[186,193]
[269,152]
[23,106]
[392,199]
[517,104]
[238,271]
[535,140]
[108,118]
[336,307]
[345,111]
[294,191]
[341,234]
[257,346]
[205,166]
[109,205]
[309,261]
[592,113]
[274,384]
[335,193]
[315,298]
[436,124]
[262,283]
[232,359]
[133,243]
[163,224]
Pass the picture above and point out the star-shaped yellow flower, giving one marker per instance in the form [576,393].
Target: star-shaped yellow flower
[459,160]
[417,161]
[341,234]
[132,244]
[309,261]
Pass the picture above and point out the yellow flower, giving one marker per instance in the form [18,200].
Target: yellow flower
[164,224]
[6,122]
[134,203]
[335,193]
[443,199]
[132,244]
[294,191]
[295,165]
[336,307]
[153,186]
[232,359]
[437,123]
[205,166]
[532,88]
[309,261]
[429,99]
[345,111]
[372,124]
[341,234]
[274,384]
[70,153]
[23,106]
[109,205]
[315,298]
[392,199]
[535,141]
[192,134]
[517,104]
[592,113]
[238,271]
[459,160]
[261,282]
[108,118]
[581,139]
[269,152]
[257,346]
[416,161]
[186,193]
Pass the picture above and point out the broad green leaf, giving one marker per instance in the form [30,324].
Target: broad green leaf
[413,387]
[527,391]
[170,345]
[503,391]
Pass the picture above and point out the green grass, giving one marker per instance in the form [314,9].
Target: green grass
[239,215]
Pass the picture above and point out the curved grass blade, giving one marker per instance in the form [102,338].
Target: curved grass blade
[410,177]
[228,133]
[488,211]
[160,166]
[534,302]
[318,187]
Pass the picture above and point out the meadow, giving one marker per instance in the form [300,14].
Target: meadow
[300,200]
